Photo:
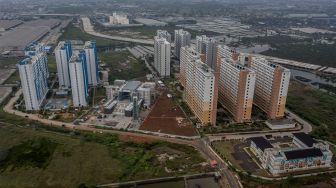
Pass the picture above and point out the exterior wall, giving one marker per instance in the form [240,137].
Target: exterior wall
[236,89]
[34,80]
[162,56]
[182,38]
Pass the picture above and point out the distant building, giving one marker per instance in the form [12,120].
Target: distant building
[182,38]
[162,50]
[207,46]
[150,22]
[92,62]
[304,153]
[236,89]
[63,53]
[79,78]
[271,86]
[164,34]
[119,19]
[201,91]
[188,56]
[34,75]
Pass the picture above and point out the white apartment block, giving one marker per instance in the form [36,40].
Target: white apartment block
[78,76]
[162,50]
[164,34]
[92,63]
[119,19]
[63,54]
[182,38]
[201,91]
[271,86]
[188,56]
[34,79]
[236,89]
[201,44]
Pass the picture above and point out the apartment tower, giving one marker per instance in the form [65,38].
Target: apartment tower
[271,87]
[182,38]
[236,89]
[63,53]
[79,78]
[201,91]
[92,62]
[188,56]
[162,52]
[164,34]
[34,75]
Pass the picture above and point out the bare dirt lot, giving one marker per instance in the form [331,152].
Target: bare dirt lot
[167,117]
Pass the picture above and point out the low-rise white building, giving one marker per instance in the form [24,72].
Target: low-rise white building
[304,154]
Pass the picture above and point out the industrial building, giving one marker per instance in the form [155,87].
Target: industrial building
[236,89]
[79,78]
[162,50]
[34,75]
[119,19]
[271,87]
[63,53]
[182,38]
[303,153]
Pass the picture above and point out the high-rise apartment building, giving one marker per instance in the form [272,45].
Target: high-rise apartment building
[63,53]
[236,89]
[92,62]
[162,50]
[188,56]
[271,87]
[207,46]
[201,91]
[79,78]
[164,34]
[34,77]
[182,38]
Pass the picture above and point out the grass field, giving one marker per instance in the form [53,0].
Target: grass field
[33,156]
[123,65]
[315,106]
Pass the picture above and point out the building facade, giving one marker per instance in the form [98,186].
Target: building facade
[63,53]
[164,34]
[34,77]
[182,38]
[236,89]
[271,87]
[294,158]
[162,50]
[201,91]
[79,78]
[188,56]
[92,62]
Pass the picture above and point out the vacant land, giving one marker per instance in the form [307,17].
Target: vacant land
[123,65]
[37,157]
[167,117]
[75,33]
[317,107]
